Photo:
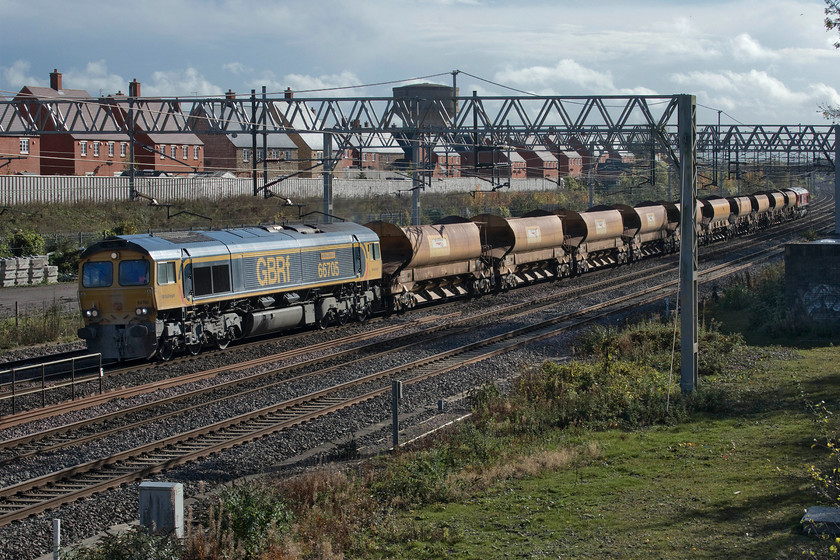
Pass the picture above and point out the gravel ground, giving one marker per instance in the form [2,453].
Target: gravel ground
[32,537]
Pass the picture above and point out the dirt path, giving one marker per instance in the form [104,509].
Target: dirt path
[32,299]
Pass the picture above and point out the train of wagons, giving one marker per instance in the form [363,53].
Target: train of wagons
[160,294]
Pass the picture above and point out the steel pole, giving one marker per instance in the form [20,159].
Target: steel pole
[836,179]
[254,140]
[688,245]
[327,165]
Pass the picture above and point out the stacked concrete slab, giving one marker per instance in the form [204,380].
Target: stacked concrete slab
[27,271]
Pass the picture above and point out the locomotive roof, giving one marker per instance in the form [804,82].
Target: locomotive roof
[169,245]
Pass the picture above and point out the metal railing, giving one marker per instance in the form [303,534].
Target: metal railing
[45,377]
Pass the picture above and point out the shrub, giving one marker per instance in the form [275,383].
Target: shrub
[136,544]
[253,511]
[24,243]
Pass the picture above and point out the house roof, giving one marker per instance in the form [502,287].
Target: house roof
[9,119]
[69,109]
[157,114]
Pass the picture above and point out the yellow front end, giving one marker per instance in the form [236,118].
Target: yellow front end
[117,301]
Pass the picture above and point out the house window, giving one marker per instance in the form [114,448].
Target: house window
[162,151]
[195,152]
[184,151]
[96,149]
[275,154]
[173,151]
[123,148]
[83,146]
[288,154]
[24,145]
[110,149]
[246,155]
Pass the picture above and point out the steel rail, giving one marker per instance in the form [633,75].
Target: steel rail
[36,495]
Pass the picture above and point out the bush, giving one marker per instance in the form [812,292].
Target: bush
[136,544]
[253,512]
[651,343]
[26,243]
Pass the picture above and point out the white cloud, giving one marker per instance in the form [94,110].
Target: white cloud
[744,47]
[180,83]
[237,68]
[566,70]
[317,86]
[17,76]
[95,79]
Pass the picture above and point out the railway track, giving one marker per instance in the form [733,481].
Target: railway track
[44,493]
[82,383]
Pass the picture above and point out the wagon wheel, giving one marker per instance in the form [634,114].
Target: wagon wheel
[166,349]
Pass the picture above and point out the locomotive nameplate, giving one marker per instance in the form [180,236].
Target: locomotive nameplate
[329,256]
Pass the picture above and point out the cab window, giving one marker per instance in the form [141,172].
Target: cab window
[134,273]
[97,274]
[165,273]
[374,251]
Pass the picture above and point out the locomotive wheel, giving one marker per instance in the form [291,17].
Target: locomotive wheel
[222,342]
[342,317]
[362,313]
[166,349]
[326,319]
[194,349]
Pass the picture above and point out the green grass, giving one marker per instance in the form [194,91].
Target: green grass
[722,486]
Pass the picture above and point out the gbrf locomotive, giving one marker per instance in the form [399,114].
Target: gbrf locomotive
[158,294]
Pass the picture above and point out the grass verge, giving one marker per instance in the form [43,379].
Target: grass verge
[602,457]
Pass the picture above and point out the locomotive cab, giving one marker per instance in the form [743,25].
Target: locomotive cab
[117,302]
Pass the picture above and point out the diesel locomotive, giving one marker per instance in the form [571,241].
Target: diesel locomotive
[159,294]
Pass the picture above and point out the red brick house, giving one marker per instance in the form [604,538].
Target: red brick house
[174,152]
[101,153]
[18,154]
[284,154]
[539,162]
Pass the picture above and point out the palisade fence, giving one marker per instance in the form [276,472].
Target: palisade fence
[28,189]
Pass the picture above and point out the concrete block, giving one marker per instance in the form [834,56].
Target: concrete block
[821,520]
[162,507]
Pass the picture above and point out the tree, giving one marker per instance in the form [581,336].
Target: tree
[832,22]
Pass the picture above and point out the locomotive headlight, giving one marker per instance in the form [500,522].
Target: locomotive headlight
[115,255]
[141,311]
[93,312]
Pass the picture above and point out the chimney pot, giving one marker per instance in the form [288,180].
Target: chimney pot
[134,88]
[230,94]
[289,94]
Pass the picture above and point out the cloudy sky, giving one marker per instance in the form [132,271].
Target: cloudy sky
[758,62]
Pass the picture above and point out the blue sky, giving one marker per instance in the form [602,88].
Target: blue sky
[758,62]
